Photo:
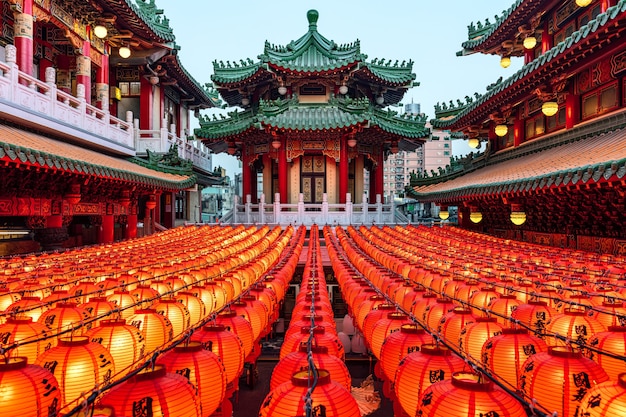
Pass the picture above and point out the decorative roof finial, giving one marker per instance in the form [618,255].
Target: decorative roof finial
[312,16]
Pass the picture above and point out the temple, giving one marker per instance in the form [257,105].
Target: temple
[312,118]
[554,159]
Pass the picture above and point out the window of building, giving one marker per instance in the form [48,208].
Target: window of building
[180,205]
[557,121]
[535,126]
[600,101]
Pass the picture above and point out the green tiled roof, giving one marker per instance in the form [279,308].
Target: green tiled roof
[603,20]
[142,16]
[479,33]
[291,115]
[225,73]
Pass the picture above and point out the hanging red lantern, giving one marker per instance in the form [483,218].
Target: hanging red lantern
[99,308]
[124,301]
[559,378]
[502,308]
[505,354]
[330,398]
[534,315]
[468,395]
[372,318]
[238,325]
[435,311]
[418,370]
[176,313]
[611,313]
[298,361]
[64,317]
[195,306]
[156,328]
[153,392]
[78,365]
[27,390]
[452,324]
[398,345]
[573,324]
[20,329]
[145,295]
[310,320]
[28,306]
[419,306]
[227,346]
[385,327]
[320,338]
[125,343]
[612,348]
[607,399]
[203,369]
[474,335]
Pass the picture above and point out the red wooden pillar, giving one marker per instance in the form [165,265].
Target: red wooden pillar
[44,64]
[54,221]
[379,174]
[343,169]
[572,110]
[546,38]
[23,37]
[107,229]
[102,82]
[131,227]
[529,55]
[283,180]
[518,132]
[145,105]
[83,70]
[246,173]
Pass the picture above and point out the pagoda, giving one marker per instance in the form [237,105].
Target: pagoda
[553,165]
[312,118]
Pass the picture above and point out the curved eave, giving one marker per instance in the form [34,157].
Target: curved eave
[200,96]
[388,75]
[215,129]
[312,118]
[312,44]
[142,19]
[600,158]
[411,128]
[225,76]
[27,149]
[304,69]
[506,26]
[526,78]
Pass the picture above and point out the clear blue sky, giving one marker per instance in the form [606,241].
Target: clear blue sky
[427,32]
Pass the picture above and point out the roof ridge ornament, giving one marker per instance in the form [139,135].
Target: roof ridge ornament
[312,16]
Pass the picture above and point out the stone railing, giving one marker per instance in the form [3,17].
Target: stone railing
[161,140]
[27,96]
[308,214]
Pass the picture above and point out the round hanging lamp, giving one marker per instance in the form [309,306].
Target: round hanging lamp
[573,324]
[468,395]
[157,329]
[23,329]
[373,317]
[153,392]
[99,308]
[28,306]
[434,312]
[66,316]
[505,354]
[195,306]
[418,370]
[473,143]
[385,327]
[534,315]
[474,335]
[607,399]
[613,342]
[126,343]
[505,61]
[530,42]
[421,304]
[398,345]
[320,338]
[226,345]
[78,365]
[559,378]
[27,390]
[238,325]
[203,369]
[452,324]
[298,361]
[176,313]
[124,301]
[502,308]
[146,295]
[288,399]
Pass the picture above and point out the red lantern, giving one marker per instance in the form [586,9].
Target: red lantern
[613,342]
[383,328]
[607,399]
[320,338]
[418,370]
[372,318]
[145,295]
[474,335]
[435,311]
[502,308]
[534,315]
[288,399]
[452,324]
[559,378]
[398,345]
[157,329]
[611,313]
[505,354]
[195,306]
[27,390]
[573,324]
[99,308]
[203,369]
[125,343]
[28,306]
[241,327]
[78,365]
[298,361]
[64,317]
[468,395]
[176,313]
[23,329]
[224,344]
[153,392]
[124,301]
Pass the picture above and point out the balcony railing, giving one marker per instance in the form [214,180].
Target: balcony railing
[308,214]
[24,92]
[161,140]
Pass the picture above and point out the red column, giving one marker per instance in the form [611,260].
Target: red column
[83,70]
[107,229]
[145,105]
[54,221]
[102,82]
[131,227]
[572,110]
[282,171]
[529,55]
[606,4]
[518,132]
[379,174]
[546,38]
[343,169]
[23,37]
[246,174]
[43,65]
